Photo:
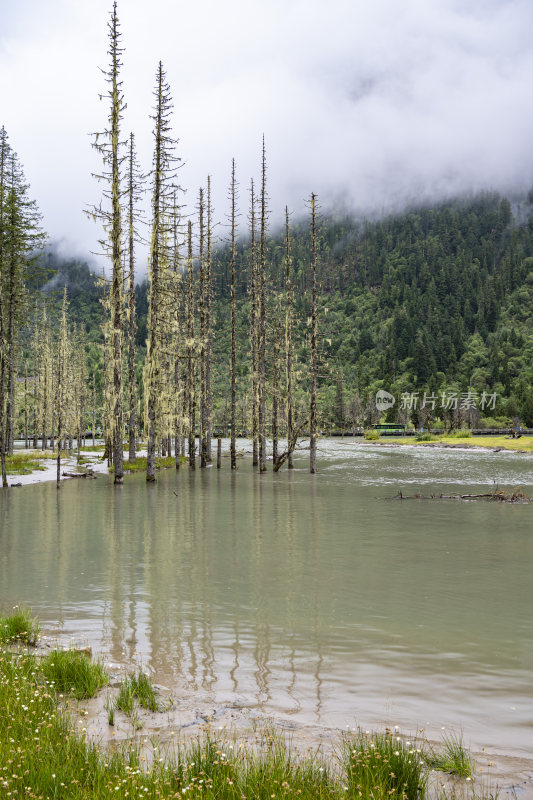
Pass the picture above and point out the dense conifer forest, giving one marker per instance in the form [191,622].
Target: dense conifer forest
[433,300]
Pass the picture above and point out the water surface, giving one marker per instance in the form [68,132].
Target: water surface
[305,596]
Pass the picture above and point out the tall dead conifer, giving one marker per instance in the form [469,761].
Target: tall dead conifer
[208,282]
[163,188]
[191,367]
[233,361]
[62,346]
[288,339]
[202,350]
[261,355]
[109,145]
[254,328]
[133,195]
[314,362]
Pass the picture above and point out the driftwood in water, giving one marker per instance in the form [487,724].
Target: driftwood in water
[516,496]
[87,474]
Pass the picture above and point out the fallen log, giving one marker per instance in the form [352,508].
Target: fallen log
[78,474]
[516,496]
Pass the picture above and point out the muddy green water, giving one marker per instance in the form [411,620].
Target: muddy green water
[306,597]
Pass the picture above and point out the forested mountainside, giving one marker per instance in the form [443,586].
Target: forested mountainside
[435,300]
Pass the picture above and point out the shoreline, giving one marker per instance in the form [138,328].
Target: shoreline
[99,466]
[48,474]
[186,715]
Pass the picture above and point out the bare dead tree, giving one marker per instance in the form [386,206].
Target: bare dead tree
[208,292]
[233,365]
[133,195]
[314,361]
[203,290]
[262,318]
[191,368]
[289,301]
[254,329]
[108,144]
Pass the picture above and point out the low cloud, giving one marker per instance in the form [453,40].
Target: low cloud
[375,105]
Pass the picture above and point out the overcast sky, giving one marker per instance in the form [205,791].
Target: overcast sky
[371,103]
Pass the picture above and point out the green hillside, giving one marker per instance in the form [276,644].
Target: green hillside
[436,300]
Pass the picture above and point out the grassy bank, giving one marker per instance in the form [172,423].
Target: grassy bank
[525,443]
[139,465]
[43,754]
[23,463]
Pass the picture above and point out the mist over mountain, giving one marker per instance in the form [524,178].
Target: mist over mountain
[378,107]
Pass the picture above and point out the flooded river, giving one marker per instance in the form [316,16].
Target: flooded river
[316,598]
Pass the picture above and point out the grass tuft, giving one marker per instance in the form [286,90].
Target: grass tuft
[23,464]
[453,757]
[139,465]
[20,627]
[137,687]
[381,765]
[71,671]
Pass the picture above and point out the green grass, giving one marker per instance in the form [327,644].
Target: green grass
[140,464]
[382,765]
[453,757]
[72,672]
[463,433]
[371,436]
[524,443]
[20,627]
[137,687]
[23,464]
[426,437]
[43,754]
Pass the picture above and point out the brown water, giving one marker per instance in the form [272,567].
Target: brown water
[304,596]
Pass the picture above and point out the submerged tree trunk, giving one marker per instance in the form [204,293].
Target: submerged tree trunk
[208,268]
[152,359]
[60,380]
[254,330]
[288,341]
[132,193]
[25,405]
[203,424]
[2,405]
[191,393]
[233,365]
[312,412]
[262,320]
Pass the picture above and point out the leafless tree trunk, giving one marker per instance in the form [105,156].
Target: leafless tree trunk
[276,371]
[254,330]
[262,318]
[233,449]
[312,413]
[203,290]
[191,379]
[117,295]
[132,193]
[208,268]
[25,405]
[288,339]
